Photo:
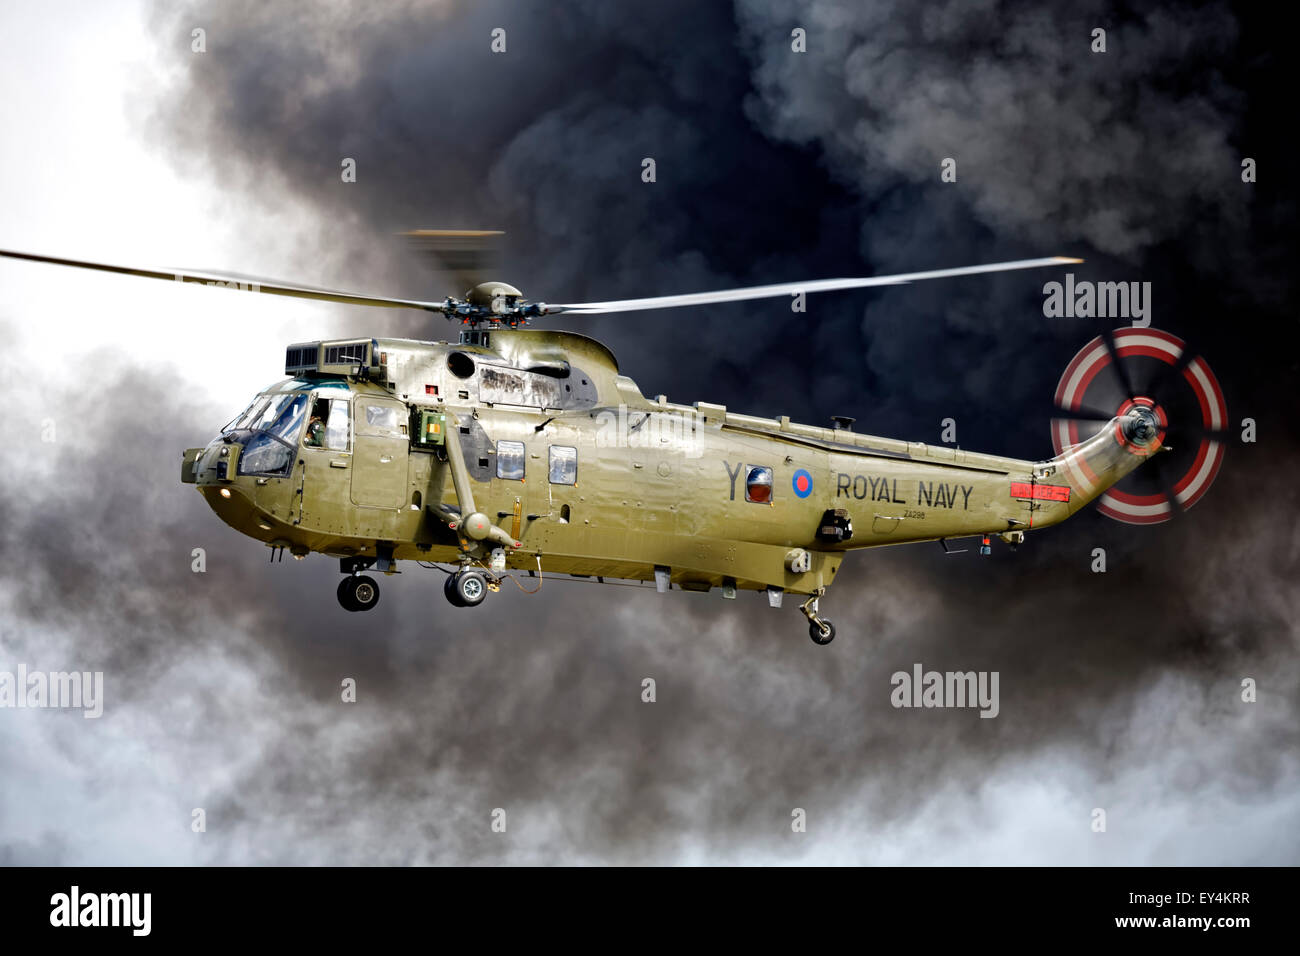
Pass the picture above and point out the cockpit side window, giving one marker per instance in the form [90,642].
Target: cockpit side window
[314,436]
[328,425]
[336,430]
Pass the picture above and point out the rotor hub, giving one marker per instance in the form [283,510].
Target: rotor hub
[492,305]
[1142,425]
[497,296]
[1142,422]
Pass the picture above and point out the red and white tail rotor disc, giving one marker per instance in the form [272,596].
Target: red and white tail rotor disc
[1077,391]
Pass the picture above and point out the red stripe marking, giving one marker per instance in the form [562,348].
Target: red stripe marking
[1023,489]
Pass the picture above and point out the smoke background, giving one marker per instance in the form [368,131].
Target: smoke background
[1118,691]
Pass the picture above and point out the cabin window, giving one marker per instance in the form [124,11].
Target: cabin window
[758,485]
[382,417]
[510,460]
[564,465]
[381,420]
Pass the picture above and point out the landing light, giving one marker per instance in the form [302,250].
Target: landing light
[225,492]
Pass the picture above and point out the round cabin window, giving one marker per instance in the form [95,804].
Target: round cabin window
[758,485]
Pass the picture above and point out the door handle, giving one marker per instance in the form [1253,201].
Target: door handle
[385,459]
[337,463]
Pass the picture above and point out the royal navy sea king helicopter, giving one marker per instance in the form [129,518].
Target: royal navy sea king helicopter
[523,450]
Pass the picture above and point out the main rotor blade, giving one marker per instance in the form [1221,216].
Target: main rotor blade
[217,280]
[792,288]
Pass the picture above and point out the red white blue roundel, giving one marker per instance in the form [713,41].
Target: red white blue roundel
[802,483]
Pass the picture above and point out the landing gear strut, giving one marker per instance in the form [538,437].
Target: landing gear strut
[358,592]
[466,587]
[821,631]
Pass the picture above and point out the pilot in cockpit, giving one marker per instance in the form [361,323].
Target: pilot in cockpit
[315,433]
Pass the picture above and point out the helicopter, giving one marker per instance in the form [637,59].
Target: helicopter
[515,452]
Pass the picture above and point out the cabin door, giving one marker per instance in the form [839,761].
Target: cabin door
[381,447]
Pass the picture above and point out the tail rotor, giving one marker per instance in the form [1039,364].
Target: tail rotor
[1151,369]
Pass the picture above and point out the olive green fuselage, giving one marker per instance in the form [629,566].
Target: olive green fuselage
[592,478]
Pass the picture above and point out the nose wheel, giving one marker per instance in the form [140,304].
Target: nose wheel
[358,592]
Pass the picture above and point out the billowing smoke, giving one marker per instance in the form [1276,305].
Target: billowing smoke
[1118,690]
[1119,140]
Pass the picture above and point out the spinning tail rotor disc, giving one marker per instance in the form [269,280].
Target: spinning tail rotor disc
[1146,367]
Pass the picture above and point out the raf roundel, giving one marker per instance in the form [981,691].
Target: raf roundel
[802,483]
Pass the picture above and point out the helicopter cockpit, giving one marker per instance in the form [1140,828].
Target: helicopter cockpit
[271,427]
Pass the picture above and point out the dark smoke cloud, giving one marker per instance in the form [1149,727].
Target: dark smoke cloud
[1118,690]
[1123,148]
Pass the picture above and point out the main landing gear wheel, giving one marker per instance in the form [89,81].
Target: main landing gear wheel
[822,633]
[359,593]
[449,589]
[466,588]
